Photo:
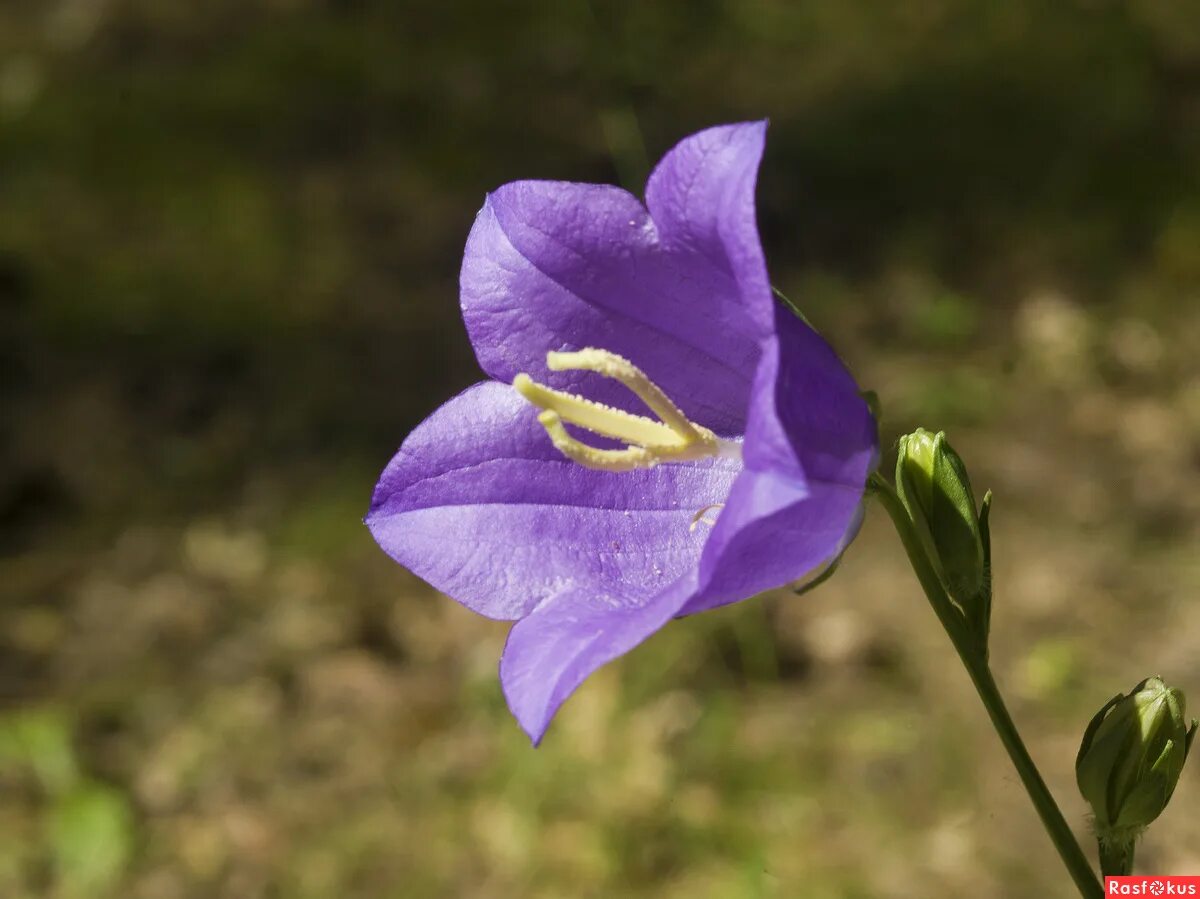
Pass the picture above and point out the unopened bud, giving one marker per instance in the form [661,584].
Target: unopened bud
[933,485]
[1131,757]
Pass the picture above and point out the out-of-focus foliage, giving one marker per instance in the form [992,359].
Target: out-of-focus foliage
[83,829]
[229,243]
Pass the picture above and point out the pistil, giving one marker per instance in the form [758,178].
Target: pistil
[671,437]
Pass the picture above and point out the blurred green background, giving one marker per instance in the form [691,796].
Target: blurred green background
[230,235]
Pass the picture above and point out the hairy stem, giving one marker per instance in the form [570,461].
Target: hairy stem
[1116,859]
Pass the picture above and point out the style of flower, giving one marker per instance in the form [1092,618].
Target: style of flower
[547,496]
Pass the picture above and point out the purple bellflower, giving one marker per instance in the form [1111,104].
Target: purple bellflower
[587,308]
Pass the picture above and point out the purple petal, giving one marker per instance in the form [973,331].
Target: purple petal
[701,196]
[566,638]
[810,446]
[554,265]
[479,504]
[771,532]
[812,443]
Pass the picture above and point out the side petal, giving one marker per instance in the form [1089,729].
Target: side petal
[478,503]
[566,638]
[701,196]
[808,418]
[809,448]
[772,532]
[554,265]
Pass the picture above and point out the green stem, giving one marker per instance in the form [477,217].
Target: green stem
[975,662]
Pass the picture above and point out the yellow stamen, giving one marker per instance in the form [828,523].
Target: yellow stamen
[672,438]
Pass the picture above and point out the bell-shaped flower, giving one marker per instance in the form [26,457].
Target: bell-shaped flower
[659,435]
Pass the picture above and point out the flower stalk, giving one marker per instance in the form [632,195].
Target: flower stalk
[974,658]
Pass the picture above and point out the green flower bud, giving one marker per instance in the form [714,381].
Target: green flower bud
[933,485]
[1131,757]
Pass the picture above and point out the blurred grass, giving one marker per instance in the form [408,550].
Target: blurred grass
[228,258]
